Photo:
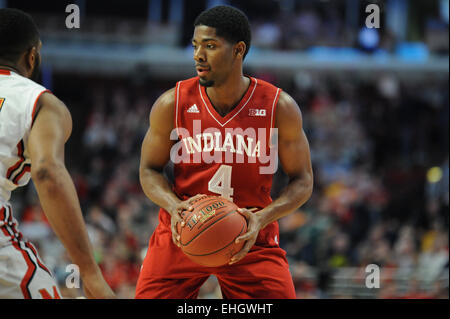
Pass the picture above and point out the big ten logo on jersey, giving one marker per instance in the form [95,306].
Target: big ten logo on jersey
[2,101]
[257,112]
[235,145]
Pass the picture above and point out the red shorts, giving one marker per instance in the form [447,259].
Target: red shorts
[169,274]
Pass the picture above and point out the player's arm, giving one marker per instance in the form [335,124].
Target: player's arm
[294,154]
[57,194]
[295,158]
[155,154]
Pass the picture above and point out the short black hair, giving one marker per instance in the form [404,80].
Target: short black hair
[18,33]
[230,23]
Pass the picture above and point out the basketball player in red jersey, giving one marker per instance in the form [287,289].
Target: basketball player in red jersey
[209,114]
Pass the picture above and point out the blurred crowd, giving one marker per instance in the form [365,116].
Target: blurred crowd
[291,25]
[304,25]
[380,156]
[379,149]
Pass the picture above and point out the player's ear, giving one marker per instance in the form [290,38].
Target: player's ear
[239,49]
[30,57]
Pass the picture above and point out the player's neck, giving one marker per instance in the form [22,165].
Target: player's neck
[15,69]
[227,96]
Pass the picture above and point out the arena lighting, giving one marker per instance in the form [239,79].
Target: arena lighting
[369,38]
[434,174]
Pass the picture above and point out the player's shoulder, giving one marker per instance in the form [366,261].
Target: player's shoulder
[49,103]
[288,112]
[166,101]
[162,109]
[285,103]
[24,83]
[190,81]
[187,87]
[262,84]
[50,100]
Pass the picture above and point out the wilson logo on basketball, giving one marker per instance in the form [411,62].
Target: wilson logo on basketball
[204,214]
[213,226]
[207,215]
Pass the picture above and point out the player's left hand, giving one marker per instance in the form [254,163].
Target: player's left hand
[254,225]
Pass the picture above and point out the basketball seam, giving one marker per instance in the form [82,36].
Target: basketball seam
[218,249]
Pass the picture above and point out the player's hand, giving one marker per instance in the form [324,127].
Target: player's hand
[177,217]
[95,286]
[254,225]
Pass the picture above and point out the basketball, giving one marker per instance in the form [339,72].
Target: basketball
[210,230]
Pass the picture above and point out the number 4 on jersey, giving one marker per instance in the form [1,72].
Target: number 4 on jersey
[220,183]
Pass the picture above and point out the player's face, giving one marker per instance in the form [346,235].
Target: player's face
[213,56]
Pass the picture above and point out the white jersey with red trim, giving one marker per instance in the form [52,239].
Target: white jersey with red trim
[22,272]
[18,97]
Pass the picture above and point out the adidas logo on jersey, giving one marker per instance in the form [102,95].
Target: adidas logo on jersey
[193,109]
[257,112]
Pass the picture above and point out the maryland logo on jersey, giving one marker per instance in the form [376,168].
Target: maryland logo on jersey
[2,99]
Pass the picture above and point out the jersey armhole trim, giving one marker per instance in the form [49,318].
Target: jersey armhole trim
[177,98]
[35,110]
[272,122]
[274,107]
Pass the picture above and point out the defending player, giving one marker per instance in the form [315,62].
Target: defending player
[34,126]
[223,101]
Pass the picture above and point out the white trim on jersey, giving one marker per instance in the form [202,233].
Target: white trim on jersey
[20,96]
[209,111]
[271,117]
[176,107]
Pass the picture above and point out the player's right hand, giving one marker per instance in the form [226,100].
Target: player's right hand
[177,217]
[95,286]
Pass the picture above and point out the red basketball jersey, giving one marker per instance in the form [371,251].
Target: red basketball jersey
[230,156]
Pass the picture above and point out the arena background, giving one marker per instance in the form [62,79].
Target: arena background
[375,110]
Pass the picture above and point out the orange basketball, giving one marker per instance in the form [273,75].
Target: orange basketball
[210,230]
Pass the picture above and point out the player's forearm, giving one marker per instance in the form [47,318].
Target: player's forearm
[60,203]
[157,188]
[293,196]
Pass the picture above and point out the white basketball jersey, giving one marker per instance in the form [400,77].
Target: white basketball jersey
[18,97]
[22,272]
